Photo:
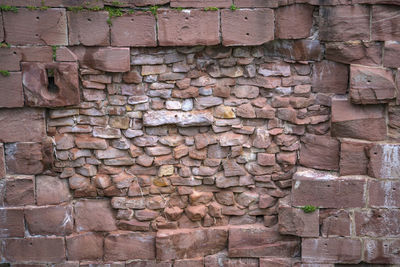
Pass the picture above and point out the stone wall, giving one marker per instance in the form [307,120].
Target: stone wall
[199,133]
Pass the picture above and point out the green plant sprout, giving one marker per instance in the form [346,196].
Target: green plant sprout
[5,73]
[9,8]
[309,208]
[153,10]
[233,7]
[211,8]
[54,48]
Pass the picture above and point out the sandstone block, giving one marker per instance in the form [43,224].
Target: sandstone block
[86,246]
[24,158]
[384,161]
[36,27]
[353,157]
[1,29]
[2,162]
[294,21]
[247,27]
[330,77]
[344,23]
[377,223]
[363,53]
[137,29]
[381,251]
[384,23]
[335,223]
[293,221]
[94,215]
[189,27]
[391,54]
[19,190]
[51,190]
[10,59]
[181,119]
[384,194]
[256,3]
[325,190]
[12,223]
[296,50]
[88,28]
[278,262]
[190,243]
[201,3]
[359,122]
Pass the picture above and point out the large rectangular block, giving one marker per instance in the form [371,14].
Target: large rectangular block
[294,21]
[385,23]
[331,250]
[256,3]
[247,27]
[201,3]
[12,223]
[384,194]
[363,53]
[37,53]
[9,59]
[378,222]
[11,92]
[294,221]
[36,27]
[296,50]
[55,3]
[88,28]
[23,125]
[258,241]
[188,27]
[330,77]
[353,157]
[137,29]
[358,121]
[391,58]
[24,158]
[19,190]
[86,246]
[35,249]
[94,215]
[384,161]
[326,190]
[382,251]
[344,23]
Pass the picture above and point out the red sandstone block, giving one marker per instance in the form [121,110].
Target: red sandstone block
[376,2]
[324,190]
[278,262]
[384,161]
[384,194]
[120,246]
[256,3]
[86,246]
[294,221]
[94,215]
[363,53]
[19,190]
[137,29]
[359,122]
[330,77]
[1,29]
[353,157]
[12,223]
[36,53]
[331,250]
[293,22]
[382,251]
[247,27]
[344,23]
[11,90]
[391,58]
[55,3]
[36,249]
[201,3]
[56,220]
[88,28]
[198,262]
[24,158]
[258,241]
[23,125]
[150,263]
[9,59]
[36,27]
[296,50]
[51,190]
[385,23]
[335,223]
[2,162]
[377,223]
[188,27]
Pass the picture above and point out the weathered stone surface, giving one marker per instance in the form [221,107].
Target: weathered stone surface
[19,190]
[377,223]
[258,241]
[61,88]
[88,28]
[353,157]
[190,243]
[23,125]
[187,27]
[137,29]
[12,223]
[344,23]
[2,162]
[296,50]
[24,158]
[335,223]
[384,161]
[331,250]
[390,55]
[324,190]
[121,246]
[200,3]
[181,119]
[55,220]
[86,246]
[51,190]
[34,249]
[10,59]
[294,221]
[381,251]
[94,215]
[293,22]
[247,27]
[384,194]
[36,27]
[89,142]
[1,29]
[359,122]
[371,85]
[110,59]
[11,90]
[364,53]
[320,152]
[330,77]
[384,23]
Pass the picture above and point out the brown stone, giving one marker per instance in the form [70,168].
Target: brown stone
[36,27]
[353,157]
[137,29]
[89,142]
[331,250]
[86,246]
[363,53]
[94,215]
[190,243]
[384,194]
[12,223]
[24,158]
[359,122]
[390,55]
[34,249]
[384,23]
[133,225]
[335,223]
[23,125]
[11,90]
[188,27]
[51,190]
[197,262]
[19,190]
[294,221]
[324,190]
[56,220]
[121,246]
[377,223]
[296,50]
[344,23]
[384,161]
[1,29]
[277,262]
[258,241]
[293,22]
[244,27]
[371,85]
[88,28]
[330,77]
[381,251]
[320,152]
[200,3]
[57,89]
[196,213]
[2,162]
[181,119]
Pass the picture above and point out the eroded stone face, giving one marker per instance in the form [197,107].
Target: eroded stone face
[50,84]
